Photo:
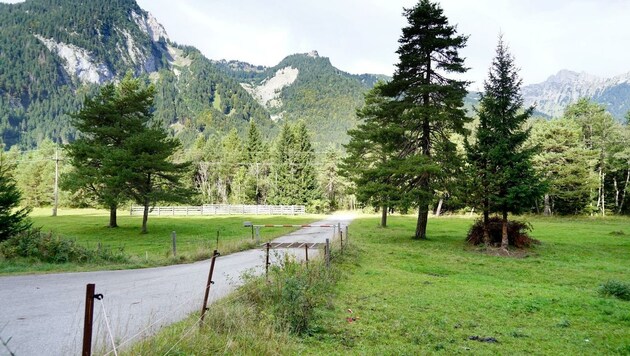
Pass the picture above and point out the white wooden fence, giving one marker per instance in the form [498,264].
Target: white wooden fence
[221,209]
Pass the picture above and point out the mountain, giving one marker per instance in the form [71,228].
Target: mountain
[54,52]
[307,87]
[552,96]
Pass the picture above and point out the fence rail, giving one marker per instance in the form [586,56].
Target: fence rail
[221,209]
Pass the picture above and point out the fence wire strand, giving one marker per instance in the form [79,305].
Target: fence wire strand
[109,329]
[185,303]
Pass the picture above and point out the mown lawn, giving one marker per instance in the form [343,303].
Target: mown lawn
[419,297]
[196,236]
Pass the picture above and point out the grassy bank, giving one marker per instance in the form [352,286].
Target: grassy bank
[196,237]
[405,297]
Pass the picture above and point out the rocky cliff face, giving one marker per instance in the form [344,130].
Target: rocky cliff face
[552,96]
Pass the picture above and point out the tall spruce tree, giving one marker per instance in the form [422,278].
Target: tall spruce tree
[13,218]
[427,104]
[283,179]
[508,183]
[304,165]
[372,153]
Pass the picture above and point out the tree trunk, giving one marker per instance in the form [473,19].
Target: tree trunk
[504,232]
[145,216]
[486,222]
[547,211]
[438,211]
[112,216]
[616,192]
[384,216]
[625,189]
[421,226]
[603,195]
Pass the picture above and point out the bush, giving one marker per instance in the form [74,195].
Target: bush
[517,233]
[615,289]
[48,248]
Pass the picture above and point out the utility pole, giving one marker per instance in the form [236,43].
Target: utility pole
[56,189]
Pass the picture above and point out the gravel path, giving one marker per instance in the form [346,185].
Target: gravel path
[43,314]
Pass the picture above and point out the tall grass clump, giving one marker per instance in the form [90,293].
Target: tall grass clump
[261,317]
[615,289]
[36,246]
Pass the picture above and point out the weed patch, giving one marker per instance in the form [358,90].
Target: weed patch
[615,289]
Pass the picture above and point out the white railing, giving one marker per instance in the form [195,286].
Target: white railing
[221,209]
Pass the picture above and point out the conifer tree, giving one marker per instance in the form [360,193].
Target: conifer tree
[284,181]
[106,120]
[151,175]
[307,185]
[509,183]
[426,105]
[372,154]
[13,219]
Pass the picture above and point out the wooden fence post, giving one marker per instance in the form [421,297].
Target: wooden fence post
[267,261]
[204,307]
[341,241]
[174,238]
[327,253]
[88,320]
[306,252]
[347,239]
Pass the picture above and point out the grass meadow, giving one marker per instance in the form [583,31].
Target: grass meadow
[398,296]
[196,237]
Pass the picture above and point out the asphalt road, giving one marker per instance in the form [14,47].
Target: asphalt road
[43,314]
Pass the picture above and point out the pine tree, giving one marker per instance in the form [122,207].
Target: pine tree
[307,185]
[509,183]
[283,178]
[150,174]
[13,219]
[106,121]
[372,153]
[426,105]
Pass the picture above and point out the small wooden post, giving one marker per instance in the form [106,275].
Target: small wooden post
[339,229]
[210,281]
[327,253]
[341,241]
[174,237]
[306,252]
[267,261]
[89,318]
[347,239]
[217,240]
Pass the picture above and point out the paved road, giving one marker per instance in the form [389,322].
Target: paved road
[43,314]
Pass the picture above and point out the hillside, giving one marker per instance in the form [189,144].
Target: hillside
[552,96]
[54,52]
[307,87]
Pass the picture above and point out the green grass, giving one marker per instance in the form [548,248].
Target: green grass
[430,297]
[196,237]
[420,297]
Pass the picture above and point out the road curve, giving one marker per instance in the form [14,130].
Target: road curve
[43,314]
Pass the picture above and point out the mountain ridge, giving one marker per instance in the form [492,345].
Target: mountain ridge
[565,87]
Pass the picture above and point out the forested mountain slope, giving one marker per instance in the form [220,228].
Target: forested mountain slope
[307,87]
[53,52]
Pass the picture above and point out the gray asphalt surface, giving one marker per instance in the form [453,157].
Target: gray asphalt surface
[43,314]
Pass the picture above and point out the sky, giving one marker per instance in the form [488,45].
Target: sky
[361,36]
